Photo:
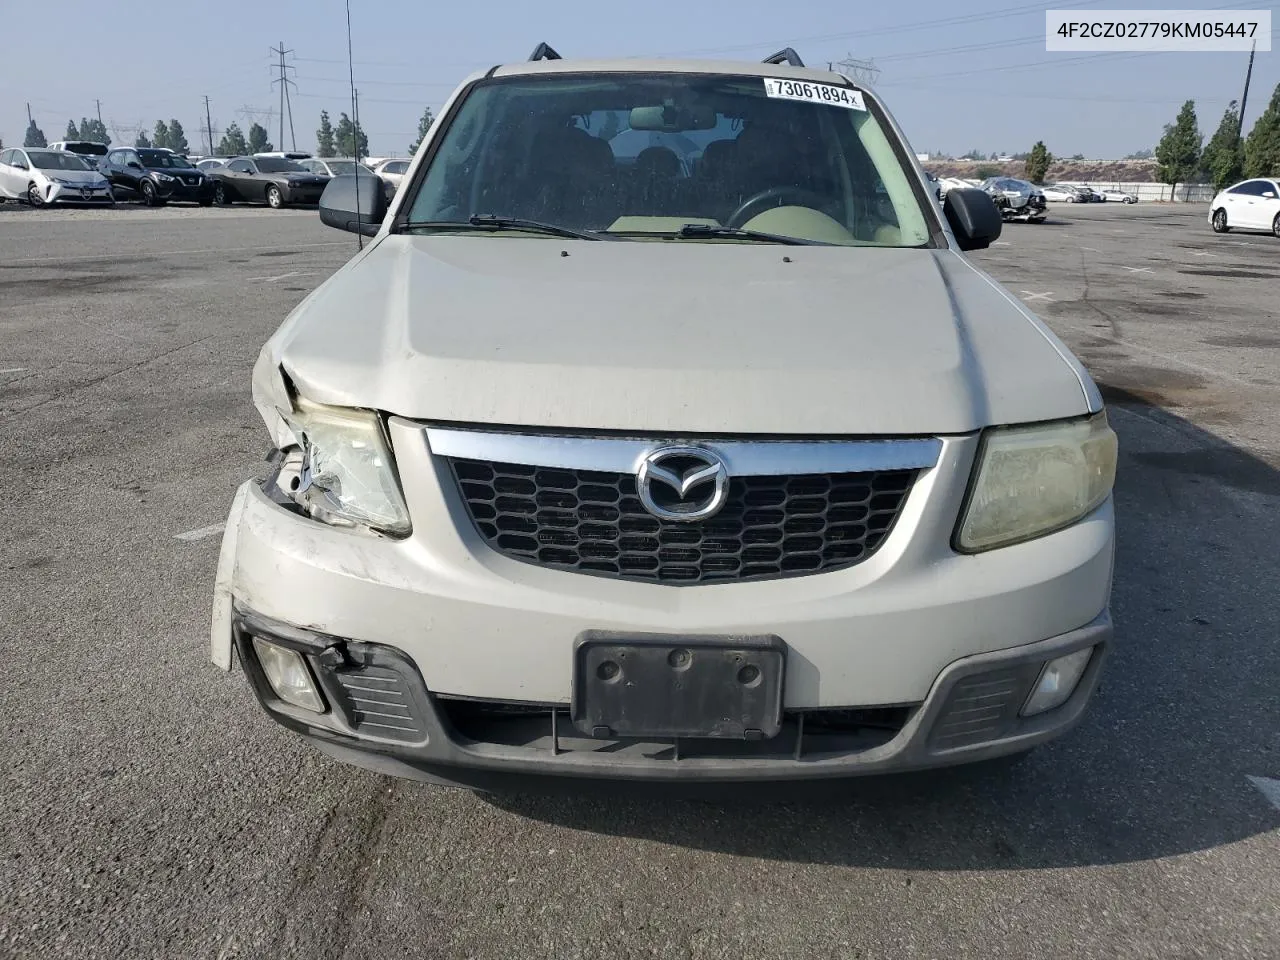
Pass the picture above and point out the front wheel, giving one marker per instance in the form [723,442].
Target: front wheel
[149,196]
[274,198]
[1220,221]
[33,196]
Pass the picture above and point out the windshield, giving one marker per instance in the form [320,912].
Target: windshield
[57,160]
[648,153]
[277,165]
[163,159]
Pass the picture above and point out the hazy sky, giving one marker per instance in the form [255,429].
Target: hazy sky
[1001,93]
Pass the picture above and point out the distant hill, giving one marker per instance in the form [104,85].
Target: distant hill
[1107,171]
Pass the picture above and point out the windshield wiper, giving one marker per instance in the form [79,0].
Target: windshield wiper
[491,222]
[699,231]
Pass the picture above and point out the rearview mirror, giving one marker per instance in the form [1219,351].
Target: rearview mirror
[973,217]
[670,117]
[354,203]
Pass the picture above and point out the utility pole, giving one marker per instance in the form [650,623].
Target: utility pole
[1244,101]
[208,125]
[99,105]
[285,102]
[30,119]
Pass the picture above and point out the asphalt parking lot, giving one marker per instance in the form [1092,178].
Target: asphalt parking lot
[150,809]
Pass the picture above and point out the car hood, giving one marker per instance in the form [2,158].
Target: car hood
[676,338]
[74,176]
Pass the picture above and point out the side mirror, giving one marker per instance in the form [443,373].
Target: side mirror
[1269,195]
[973,217]
[346,194]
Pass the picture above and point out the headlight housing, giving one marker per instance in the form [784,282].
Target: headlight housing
[162,176]
[1033,480]
[346,475]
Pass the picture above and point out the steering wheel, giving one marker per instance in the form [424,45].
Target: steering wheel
[775,197]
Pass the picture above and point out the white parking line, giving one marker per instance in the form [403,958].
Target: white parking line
[12,369]
[1002,243]
[1201,253]
[283,276]
[178,253]
[1137,269]
[1269,789]
[1091,249]
[1047,296]
[204,533]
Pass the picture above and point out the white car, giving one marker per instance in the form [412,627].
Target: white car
[1057,194]
[1119,196]
[208,164]
[333,166]
[393,171]
[1248,205]
[43,176]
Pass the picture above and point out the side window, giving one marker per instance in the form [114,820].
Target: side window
[6,156]
[240,166]
[1270,188]
[399,167]
[1249,188]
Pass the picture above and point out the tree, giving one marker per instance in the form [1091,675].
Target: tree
[1140,155]
[349,138]
[95,131]
[1038,162]
[35,136]
[971,155]
[987,170]
[1077,156]
[1221,161]
[258,142]
[324,136]
[1262,149]
[178,138]
[141,141]
[161,137]
[232,143]
[1178,152]
[424,125]
[73,132]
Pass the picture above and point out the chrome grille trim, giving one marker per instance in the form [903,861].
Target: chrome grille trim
[744,458]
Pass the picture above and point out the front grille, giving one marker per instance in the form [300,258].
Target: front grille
[591,522]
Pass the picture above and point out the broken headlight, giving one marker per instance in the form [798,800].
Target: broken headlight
[342,471]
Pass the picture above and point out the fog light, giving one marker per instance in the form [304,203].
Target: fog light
[1057,682]
[288,675]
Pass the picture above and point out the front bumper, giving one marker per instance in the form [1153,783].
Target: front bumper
[971,713]
[304,193]
[893,632]
[74,193]
[179,190]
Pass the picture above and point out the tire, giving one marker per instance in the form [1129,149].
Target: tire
[148,192]
[275,200]
[1220,221]
[33,196]
[1275,225]
[220,196]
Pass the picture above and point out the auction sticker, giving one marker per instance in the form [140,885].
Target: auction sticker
[810,92]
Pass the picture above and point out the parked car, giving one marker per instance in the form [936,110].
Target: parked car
[271,180]
[1088,194]
[1248,205]
[1119,196]
[722,527]
[333,166]
[156,176]
[43,176]
[1017,199]
[285,155]
[90,150]
[1059,194]
[392,171]
[208,164]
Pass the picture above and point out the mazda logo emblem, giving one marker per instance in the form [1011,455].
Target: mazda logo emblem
[682,483]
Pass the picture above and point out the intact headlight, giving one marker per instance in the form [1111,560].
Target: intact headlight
[347,475]
[162,176]
[1034,480]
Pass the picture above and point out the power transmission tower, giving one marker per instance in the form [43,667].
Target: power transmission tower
[208,126]
[285,102]
[861,71]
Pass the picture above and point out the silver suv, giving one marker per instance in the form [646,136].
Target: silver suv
[663,431]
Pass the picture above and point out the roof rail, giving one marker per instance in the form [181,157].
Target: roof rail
[544,52]
[785,55]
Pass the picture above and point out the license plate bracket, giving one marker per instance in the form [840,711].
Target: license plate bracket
[671,685]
